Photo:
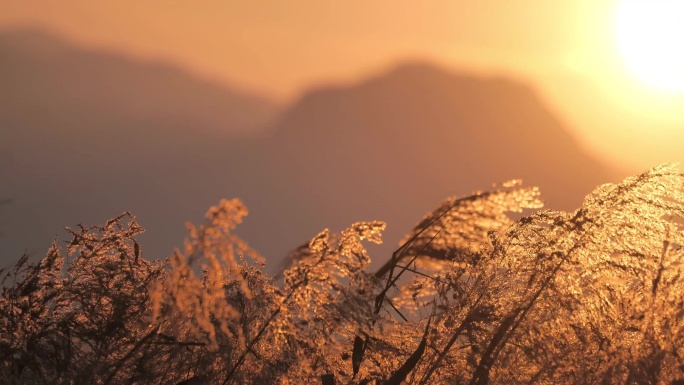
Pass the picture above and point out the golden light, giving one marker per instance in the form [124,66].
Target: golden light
[650,37]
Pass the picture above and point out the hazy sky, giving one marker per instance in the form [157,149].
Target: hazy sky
[280,48]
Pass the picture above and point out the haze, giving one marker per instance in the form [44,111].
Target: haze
[204,100]
[282,48]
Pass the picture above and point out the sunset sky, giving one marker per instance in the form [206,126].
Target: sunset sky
[282,48]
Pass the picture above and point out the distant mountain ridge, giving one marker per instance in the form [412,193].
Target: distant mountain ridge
[41,68]
[393,146]
[86,134]
[389,148]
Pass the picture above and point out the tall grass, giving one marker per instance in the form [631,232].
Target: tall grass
[470,296]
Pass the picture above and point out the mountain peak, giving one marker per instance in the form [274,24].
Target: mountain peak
[416,67]
[425,94]
[48,72]
[35,40]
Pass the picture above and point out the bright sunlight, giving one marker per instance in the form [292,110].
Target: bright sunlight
[650,37]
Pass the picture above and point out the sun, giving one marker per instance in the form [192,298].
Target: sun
[650,38]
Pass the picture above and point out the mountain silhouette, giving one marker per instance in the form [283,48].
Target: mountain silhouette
[88,134]
[394,146]
[164,145]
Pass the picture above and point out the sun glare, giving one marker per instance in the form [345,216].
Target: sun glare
[650,37]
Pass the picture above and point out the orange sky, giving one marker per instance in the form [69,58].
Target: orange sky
[282,47]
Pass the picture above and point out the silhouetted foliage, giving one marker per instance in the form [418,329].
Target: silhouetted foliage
[471,296]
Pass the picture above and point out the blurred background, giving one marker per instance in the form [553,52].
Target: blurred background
[321,113]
